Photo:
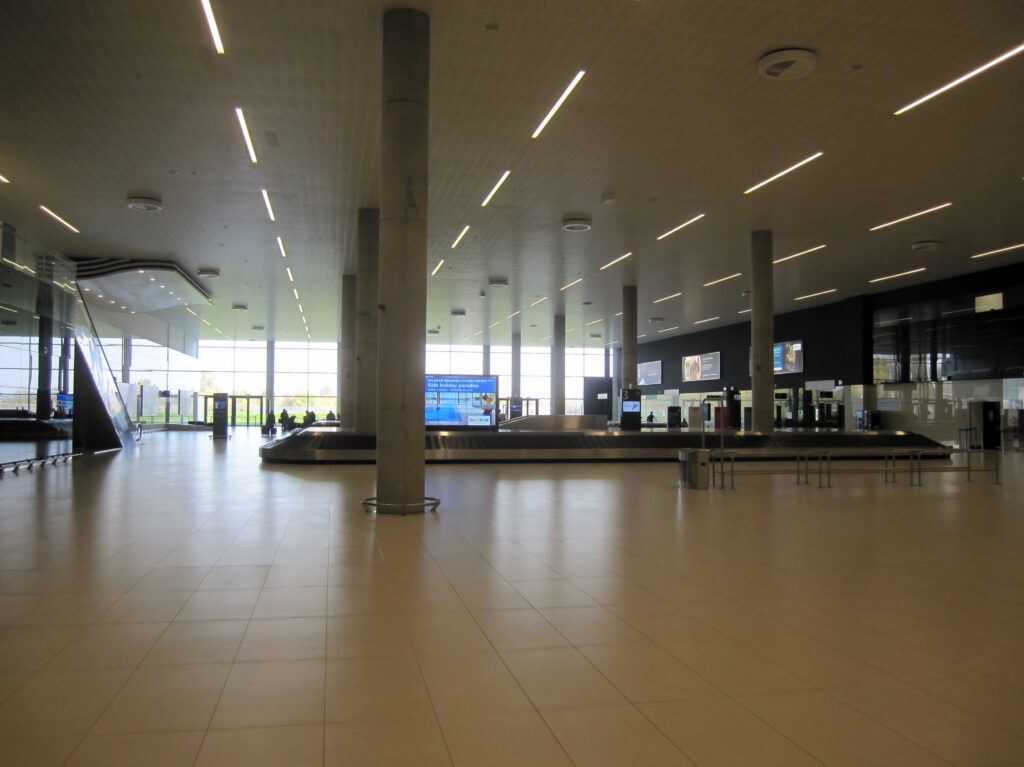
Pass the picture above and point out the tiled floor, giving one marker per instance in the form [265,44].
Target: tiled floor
[183,604]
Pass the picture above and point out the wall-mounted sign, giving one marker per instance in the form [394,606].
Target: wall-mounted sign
[702,367]
[789,357]
[648,373]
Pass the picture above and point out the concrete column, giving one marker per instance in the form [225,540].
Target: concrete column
[487,359]
[629,335]
[762,331]
[44,399]
[368,250]
[67,344]
[126,359]
[401,331]
[607,362]
[270,378]
[558,366]
[347,352]
[616,379]
[517,370]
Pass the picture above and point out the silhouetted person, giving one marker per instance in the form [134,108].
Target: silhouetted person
[650,417]
[284,419]
[331,416]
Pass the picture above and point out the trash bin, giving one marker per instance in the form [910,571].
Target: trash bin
[695,469]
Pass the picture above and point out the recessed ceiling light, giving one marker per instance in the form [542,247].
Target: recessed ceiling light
[613,263]
[300,308]
[546,338]
[1000,250]
[561,100]
[437,268]
[99,295]
[54,216]
[797,255]
[912,215]
[963,78]
[539,301]
[514,314]
[642,335]
[212,22]
[170,292]
[142,271]
[497,186]
[151,279]
[685,223]
[709,319]
[577,281]
[266,201]
[723,279]
[780,174]
[618,314]
[668,330]
[245,134]
[296,292]
[190,311]
[894,276]
[461,235]
[3,179]
[290,277]
[495,324]
[113,301]
[743,311]
[666,298]
[594,322]
[280,246]
[162,287]
[815,295]
[206,322]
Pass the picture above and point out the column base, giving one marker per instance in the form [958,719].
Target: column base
[416,507]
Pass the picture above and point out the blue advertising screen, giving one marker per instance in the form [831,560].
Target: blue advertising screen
[461,401]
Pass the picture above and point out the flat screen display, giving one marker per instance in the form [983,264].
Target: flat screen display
[630,407]
[648,373]
[461,401]
[789,357]
[702,367]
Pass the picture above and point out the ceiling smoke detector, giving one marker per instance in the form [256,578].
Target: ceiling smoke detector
[208,272]
[787,64]
[145,204]
[577,224]
[497,282]
[240,307]
[927,245]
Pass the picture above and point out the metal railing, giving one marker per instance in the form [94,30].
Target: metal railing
[31,463]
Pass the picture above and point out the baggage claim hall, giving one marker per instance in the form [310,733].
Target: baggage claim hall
[634,382]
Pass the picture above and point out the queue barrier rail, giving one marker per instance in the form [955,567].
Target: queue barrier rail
[31,463]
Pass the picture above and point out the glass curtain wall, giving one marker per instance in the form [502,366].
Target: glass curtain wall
[580,363]
[305,377]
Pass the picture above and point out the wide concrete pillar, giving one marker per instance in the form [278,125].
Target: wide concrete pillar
[517,358]
[126,359]
[401,324]
[486,357]
[558,366]
[347,353]
[67,344]
[270,377]
[762,331]
[367,265]
[629,335]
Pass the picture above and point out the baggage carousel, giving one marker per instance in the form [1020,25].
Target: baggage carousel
[331,444]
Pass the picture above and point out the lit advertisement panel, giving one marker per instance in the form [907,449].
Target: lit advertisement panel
[702,367]
[648,373]
[789,357]
[461,402]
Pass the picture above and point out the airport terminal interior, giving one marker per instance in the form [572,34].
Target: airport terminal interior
[511,383]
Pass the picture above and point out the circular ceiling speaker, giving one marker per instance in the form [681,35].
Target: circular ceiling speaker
[577,224]
[145,204]
[787,64]
[926,245]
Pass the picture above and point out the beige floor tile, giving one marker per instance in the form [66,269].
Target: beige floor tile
[146,607]
[553,593]
[296,576]
[69,610]
[818,663]
[498,740]
[219,604]
[591,625]
[284,639]
[367,636]
[165,749]
[109,645]
[295,746]
[645,672]
[941,727]
[240,577]
[359,573]
[518,629]
[614,735]
[444,633]
[386,743]
[663,622]
[560,677]
[372,689]
[271,694]
[164,699]
[986,697]
[197,642]
[734,669]
[36,752]
[461,685]
[720,733]
[735,619]
[363,599]
[172,579]
[615,590]
[29,648]
[835,733]
[299,602]
[56,704]
[10,681]
[491,595]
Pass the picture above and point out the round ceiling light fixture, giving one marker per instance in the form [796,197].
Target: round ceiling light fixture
[145,204]
[577,224]
[787,64]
